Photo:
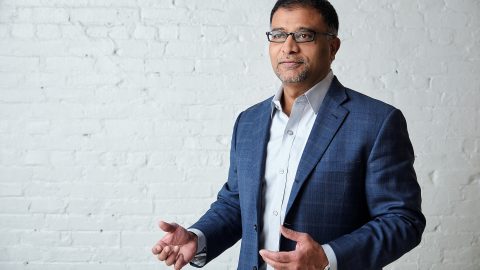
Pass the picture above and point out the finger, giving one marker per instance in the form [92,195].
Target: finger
[157,249]
[171,259]
[275,264]
[277,256]
[180,262]
[292,235]
[159,246]
[167,227]
[163,255]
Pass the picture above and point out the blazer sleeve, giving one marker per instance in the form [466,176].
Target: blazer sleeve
[394,202]
[221,224]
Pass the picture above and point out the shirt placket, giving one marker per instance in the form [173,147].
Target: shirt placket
[290,135]
[282,179]
[284,172]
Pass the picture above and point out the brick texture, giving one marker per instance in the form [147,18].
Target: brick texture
[116,113]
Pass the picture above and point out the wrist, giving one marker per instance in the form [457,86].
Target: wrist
[200,240]
[193,237]
[324,257]
[331,258]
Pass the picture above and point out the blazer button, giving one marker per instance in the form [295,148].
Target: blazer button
[254,268]
[255,227]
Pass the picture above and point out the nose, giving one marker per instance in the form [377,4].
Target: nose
[290,46]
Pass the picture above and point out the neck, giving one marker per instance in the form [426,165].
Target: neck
[293,90]
[290,93]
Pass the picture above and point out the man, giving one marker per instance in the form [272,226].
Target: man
[321,176]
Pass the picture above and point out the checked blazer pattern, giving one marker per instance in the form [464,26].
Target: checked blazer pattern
[355,187]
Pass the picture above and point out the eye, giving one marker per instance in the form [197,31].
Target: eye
[304,36]
[277,35]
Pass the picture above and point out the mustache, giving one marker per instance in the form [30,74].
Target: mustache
[290,60]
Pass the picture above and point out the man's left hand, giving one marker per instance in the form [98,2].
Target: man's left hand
[308,254]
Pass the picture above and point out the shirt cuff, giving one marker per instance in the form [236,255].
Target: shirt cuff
[332,259]
[200,258]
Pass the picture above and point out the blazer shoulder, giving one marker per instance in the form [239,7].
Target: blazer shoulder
[355,102]
[258,109]
[361,103]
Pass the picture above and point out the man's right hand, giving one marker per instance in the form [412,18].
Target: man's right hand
[177,247]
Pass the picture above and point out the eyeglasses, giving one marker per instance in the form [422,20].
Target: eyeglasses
[299,37]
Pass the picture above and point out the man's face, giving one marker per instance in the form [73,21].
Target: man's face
[302,64]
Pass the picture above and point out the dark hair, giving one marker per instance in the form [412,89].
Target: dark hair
[322,6]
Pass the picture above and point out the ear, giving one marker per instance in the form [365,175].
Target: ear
[334,47]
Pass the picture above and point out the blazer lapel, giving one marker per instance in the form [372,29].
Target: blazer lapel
[329,119]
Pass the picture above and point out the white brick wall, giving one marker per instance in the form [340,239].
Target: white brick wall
[114,114]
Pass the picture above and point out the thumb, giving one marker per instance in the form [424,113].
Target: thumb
[167,227]
[291,234]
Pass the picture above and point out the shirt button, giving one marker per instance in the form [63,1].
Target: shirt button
[275,213]
[281,171]
[289,132]
[255,227]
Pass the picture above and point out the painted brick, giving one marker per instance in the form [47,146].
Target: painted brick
[23,30]
[97,239]
[50,15]
[112,112]
[20,64]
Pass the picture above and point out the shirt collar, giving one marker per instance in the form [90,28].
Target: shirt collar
[314,95]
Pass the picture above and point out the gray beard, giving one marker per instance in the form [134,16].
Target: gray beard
[300,77]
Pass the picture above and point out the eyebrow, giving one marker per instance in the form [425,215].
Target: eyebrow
[298,29]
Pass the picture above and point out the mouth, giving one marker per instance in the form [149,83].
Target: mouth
[291,61]
[290,64]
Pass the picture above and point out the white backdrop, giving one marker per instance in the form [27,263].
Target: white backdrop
[116,113]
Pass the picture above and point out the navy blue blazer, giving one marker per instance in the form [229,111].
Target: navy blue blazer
[355,187]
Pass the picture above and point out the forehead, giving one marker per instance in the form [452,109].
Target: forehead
[298,17]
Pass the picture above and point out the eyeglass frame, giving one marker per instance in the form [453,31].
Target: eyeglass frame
[297,32]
